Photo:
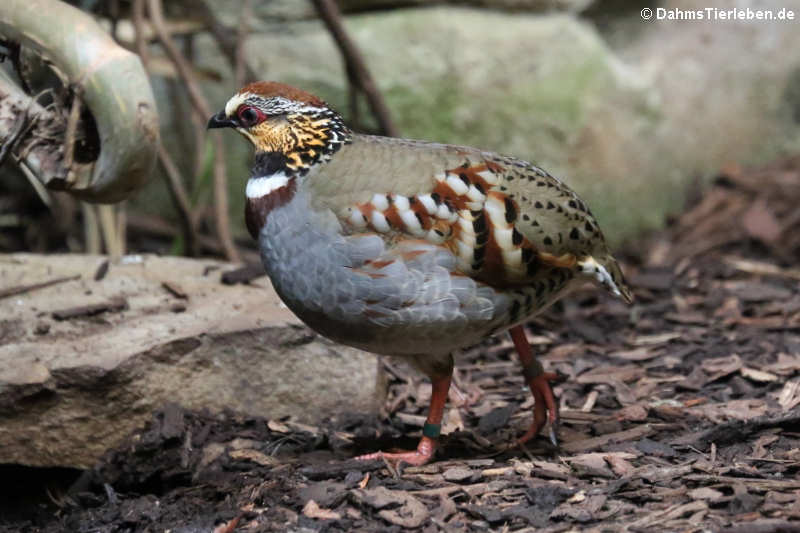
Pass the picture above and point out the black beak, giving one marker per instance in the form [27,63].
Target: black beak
[220,120]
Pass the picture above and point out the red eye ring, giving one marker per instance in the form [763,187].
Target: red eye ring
[249,116]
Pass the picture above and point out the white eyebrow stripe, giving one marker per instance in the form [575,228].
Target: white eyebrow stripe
[235,101]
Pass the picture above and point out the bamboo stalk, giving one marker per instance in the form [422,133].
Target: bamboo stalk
[110,81]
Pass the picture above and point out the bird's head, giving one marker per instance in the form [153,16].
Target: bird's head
[290,125]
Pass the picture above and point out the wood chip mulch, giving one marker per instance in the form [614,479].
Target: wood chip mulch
[681,413]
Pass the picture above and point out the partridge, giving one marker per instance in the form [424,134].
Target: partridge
[410,248]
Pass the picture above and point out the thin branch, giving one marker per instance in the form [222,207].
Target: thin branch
[228,45]
[107,220]
[355,64]
[181,201]
[138,24]
[241,37]
[175,183]
[91,229]
[204,110]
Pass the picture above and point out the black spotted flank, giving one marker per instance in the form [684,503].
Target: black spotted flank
[548,241]
[516,237]
[572,204]
[551,205]
[525,217]
[527,255]
[589,227]
[533,266]
[575,234]
[511,211]
[537,204]
[479,223]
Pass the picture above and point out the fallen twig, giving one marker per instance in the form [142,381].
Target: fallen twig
[115,304]
[244,274]
[21,289]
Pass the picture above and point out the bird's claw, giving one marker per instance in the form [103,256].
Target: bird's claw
[553,437]
[411,458]
[422,455]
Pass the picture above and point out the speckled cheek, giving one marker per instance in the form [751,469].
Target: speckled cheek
[269,137]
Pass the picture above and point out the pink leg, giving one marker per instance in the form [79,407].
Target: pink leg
[538,381]
[430,433]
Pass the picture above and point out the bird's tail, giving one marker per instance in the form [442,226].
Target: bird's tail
[607,272]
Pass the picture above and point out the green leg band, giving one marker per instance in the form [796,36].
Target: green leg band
[431,431]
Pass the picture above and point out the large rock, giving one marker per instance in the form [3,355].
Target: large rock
[71,388]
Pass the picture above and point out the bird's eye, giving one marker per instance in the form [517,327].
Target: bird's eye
[249,116]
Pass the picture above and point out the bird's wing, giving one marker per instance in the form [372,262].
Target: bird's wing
[506,222]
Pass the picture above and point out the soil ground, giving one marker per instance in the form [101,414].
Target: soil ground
[678,414]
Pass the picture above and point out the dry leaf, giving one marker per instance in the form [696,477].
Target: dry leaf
[744,409]
[637,354]
[786,365]
[757,375]
[591,398]
[636,412]
[760,222]
[789,397]
[277,427]
[705,493]
[254,456]
[312,510]
[719,367]
[760,445]
[658,338]
[611,374]
[453,422]
[227,527]
[593,464]
[457,474]
[624,394]
[407,511]
[578,497]
[618,464]
[556,470]
[565,352]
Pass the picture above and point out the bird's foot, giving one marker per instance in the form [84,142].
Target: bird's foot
[422,455]
[544,408]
